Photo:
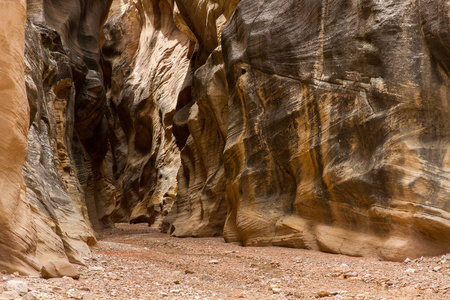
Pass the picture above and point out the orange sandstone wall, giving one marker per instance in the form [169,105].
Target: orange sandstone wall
[17,234]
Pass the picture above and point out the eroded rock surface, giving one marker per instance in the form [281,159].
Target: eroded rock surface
[311,124]
[48,219]
[17,234]
[58,269]
[201,124]
[148,58]
[54,169]
[78,25]
[339,133]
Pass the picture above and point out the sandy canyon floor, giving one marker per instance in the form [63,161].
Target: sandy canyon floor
[137,262]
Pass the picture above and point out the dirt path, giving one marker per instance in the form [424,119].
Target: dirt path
[137,262]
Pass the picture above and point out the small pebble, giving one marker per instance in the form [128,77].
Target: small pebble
[350,274]
[276,290]
[206,277]
[322,294]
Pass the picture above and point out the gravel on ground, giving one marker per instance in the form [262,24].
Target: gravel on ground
[138,262]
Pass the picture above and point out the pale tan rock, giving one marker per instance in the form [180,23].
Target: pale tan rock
[147,54]
[200,205]
[54,190]
[48,218]
[79,83]
[58,269]
[17,234]
[201,124]
[145,159]
[307,144]
[206,20]
[305,124]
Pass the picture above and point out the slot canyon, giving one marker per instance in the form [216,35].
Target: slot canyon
[312,124]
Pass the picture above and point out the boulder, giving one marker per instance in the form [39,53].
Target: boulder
[58,269]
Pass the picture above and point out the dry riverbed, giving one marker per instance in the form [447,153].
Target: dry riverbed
[137,262]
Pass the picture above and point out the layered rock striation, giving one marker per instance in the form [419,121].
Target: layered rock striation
[339,133]
[311,124]
[320,136]
[147,56]
[45,213]
[17,234]
[54,170]
[201,123]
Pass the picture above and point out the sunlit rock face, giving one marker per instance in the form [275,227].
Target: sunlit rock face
[147,56]
[54,104]
[311,124]
[339,128]
[201,123]
[17,234]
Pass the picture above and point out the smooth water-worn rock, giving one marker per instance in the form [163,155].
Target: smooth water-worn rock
[17,234]
[79,24]
[68,131]
[311,124]
[58,269]
[79,27]
[201,124]
[339,133]
[148,58]
[48,218]
[55,168]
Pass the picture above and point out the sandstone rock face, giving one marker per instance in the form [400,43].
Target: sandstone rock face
[79,24]
[54,169]
[313,124]
[201,124]
[17,234]
[319,125]
[65,170]
[147,56]
[167,97]
[339,128]
[48,219]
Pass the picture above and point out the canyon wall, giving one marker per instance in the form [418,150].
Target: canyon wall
[53,83]
[339,132]
[312,124]
[201,124]
[168,113]
[147,57]
[54,167]
[17,235]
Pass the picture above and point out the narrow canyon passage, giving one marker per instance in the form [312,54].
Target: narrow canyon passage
[306,124]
